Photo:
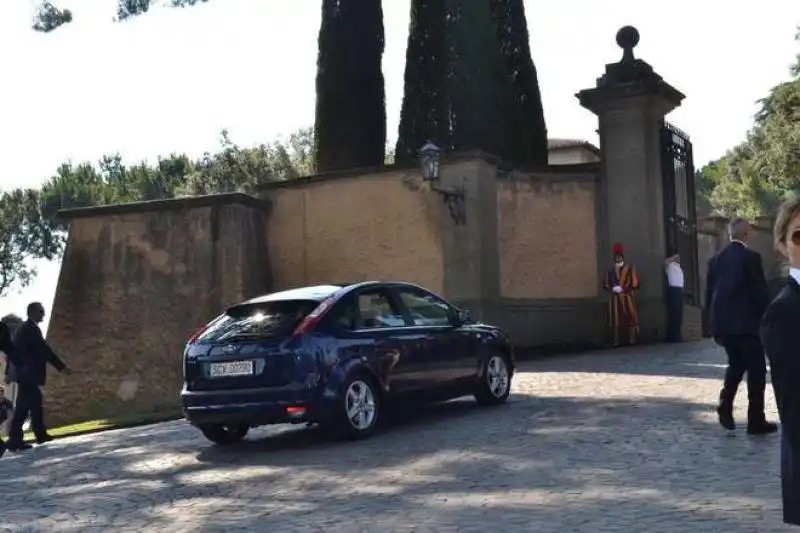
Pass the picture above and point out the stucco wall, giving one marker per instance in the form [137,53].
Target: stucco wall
[352,228]
[547,236]
[134,283]
[571,156]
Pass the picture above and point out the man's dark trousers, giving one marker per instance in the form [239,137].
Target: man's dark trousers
[745,355]
[29,401]
[674,313]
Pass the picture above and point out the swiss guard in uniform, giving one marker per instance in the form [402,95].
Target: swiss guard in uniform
[621,282]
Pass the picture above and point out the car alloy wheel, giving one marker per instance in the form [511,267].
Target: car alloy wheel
[495,386]
[361,406]
[225,434]
[497,376]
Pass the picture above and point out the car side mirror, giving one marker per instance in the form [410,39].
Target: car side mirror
[463,316]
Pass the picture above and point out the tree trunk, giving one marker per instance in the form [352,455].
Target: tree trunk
[350,127]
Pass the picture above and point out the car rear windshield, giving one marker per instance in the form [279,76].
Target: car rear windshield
[266,320]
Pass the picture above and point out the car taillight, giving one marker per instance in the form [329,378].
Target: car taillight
[202,329]
[313,318]
[199,331]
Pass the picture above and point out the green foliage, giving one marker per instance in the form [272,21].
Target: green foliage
[350,126]
[186,3]
[423,113]
[470,82]
[131,8]
[48,17]
[24,233]
[238,169]
[529,137]
[753,178]
[30,228]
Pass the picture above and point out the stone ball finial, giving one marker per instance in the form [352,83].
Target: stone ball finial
[627,39]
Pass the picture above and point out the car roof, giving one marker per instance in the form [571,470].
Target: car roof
[317,293]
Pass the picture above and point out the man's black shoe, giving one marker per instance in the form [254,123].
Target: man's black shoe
[44,439]
[762,428]
[726,419]
[19,448]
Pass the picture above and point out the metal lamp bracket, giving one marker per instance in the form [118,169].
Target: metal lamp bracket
[456,201]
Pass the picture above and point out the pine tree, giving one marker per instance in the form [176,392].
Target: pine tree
[48,17]
[350,128]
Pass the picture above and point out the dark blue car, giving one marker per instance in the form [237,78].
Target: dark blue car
[338,355]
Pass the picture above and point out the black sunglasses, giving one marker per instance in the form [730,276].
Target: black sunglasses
[796,237]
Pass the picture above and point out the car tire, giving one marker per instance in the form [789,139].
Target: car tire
[225,434]
[359,408]
[495,385]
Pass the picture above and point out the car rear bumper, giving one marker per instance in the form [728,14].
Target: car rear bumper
[254,407]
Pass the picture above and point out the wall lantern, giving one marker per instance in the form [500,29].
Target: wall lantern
[429,156]
[455,199]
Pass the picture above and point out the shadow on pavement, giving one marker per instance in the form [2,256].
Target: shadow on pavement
[536,464]
[695,360]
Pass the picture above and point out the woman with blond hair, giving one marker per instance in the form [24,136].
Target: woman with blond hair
[782,345]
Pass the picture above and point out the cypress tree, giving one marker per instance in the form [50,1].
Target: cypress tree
[350,126]
[479,93]
[423,115]
[530,131]
[468,88]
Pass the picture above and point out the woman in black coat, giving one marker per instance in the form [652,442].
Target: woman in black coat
[782,344]
[12,358]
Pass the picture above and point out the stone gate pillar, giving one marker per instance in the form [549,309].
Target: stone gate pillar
[631,101]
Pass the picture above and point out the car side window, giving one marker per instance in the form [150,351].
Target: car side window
[344,316]
[425,308]
[377,310]
[371,309]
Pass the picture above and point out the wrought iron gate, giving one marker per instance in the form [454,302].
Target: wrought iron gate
[680,216]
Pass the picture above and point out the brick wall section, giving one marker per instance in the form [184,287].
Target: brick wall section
[135,281]
[383,226]
[547,237]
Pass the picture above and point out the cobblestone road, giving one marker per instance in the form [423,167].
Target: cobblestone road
[621,441]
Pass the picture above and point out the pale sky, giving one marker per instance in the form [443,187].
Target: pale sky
[172,79]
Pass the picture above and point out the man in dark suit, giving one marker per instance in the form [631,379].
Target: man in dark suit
[779,333]
[31,374]
[736,298]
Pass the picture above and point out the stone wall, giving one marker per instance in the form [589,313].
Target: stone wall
[135,281]
[355,227]
[550,242]
[546,234]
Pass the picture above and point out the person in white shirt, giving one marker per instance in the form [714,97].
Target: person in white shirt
[674,272]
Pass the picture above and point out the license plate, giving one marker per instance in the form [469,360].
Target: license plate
[230,368]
